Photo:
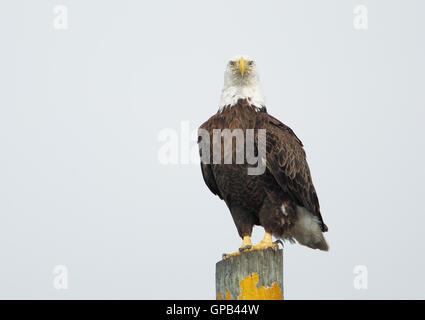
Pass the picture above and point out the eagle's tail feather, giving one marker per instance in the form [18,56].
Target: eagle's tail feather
[307,230]
[321,245]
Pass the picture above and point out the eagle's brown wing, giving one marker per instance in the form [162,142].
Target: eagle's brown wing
[209,179]
[286,161]
[206,168]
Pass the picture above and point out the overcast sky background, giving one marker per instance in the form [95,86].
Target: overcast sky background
[81,110]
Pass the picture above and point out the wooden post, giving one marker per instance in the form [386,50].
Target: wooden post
[256,275]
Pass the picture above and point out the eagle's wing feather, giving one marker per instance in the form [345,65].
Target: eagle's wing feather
[207,173]
[209,179]
[286,161]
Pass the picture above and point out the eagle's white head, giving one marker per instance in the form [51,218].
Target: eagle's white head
[241,81]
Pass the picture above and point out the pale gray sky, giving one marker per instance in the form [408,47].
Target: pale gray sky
[81,109]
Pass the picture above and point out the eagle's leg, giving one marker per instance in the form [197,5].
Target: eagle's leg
[246,245]
[266,243]
[244,222]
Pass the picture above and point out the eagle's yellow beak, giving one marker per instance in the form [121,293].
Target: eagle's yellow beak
[242,66]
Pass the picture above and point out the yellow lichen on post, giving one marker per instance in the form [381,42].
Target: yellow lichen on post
[249,290]
[220,297]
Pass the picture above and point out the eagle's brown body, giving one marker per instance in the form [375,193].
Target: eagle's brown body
[280,197]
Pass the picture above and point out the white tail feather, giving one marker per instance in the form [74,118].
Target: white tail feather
[307,230]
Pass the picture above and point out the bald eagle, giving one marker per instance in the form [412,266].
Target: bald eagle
[282,199]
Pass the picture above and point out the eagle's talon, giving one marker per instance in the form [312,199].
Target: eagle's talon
[277,243]
[229,255]
[244,248]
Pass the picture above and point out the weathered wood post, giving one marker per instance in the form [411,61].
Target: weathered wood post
[255,275]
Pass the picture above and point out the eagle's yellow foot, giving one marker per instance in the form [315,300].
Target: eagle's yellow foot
[246,246]
[266,243]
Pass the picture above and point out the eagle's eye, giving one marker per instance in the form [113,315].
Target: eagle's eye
[251,63]
[232,63]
